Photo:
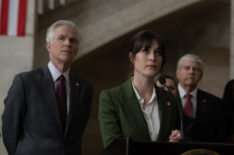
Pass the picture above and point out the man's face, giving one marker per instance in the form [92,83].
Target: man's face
[189,74]
[64,46]
[169,84]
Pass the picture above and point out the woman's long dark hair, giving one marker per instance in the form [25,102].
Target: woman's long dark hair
[145,38]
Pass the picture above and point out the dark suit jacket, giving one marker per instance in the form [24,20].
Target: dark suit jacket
[209,124]
[31,119]
[120,114]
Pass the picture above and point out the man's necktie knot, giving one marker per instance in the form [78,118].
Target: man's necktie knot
[188,96]
[61,78]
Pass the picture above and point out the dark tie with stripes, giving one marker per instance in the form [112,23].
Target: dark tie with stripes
[62,100]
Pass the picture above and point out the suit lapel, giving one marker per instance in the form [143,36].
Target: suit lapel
[50,94]
[129,100]
[75,86]
[164,108]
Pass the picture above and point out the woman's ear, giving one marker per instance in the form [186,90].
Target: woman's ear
[131,57]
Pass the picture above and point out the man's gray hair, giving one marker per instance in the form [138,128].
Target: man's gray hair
[190,57]
[51,29]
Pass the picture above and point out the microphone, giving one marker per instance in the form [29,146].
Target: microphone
[162,81]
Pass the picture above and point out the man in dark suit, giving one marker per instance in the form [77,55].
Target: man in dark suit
[203,112]
[47,109]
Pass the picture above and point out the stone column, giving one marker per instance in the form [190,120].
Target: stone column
[231,71]
[16,55]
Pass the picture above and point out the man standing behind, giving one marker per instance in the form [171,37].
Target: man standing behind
[203,113]
[47,109]
[170,83]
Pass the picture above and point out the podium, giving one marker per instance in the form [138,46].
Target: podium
[126,146]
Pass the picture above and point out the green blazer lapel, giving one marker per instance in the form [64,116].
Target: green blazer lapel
[129,99]
[164,108]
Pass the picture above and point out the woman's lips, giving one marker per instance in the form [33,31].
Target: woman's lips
[152,66]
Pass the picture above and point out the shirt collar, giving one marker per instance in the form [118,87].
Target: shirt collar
[182,92]
[56,73]
[140,99]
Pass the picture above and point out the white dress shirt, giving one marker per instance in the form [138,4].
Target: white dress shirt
[182,93]
[55,75]
[151,113]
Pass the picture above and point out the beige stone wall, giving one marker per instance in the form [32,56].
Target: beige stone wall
[231,69]
[16,55]
[102,21]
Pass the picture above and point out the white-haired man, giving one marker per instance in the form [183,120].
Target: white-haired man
[203,113]
[47,109]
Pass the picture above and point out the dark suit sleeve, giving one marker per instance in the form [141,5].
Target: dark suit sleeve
[220,124]
[176,111]
[13,115]
[108,119]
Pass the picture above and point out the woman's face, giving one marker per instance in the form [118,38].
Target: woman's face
[148,61]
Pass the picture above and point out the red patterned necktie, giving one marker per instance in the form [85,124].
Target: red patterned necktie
[188,107]
[62,101]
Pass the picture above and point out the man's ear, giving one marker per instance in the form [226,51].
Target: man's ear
[131,57]
[48,46]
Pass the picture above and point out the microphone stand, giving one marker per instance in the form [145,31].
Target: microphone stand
[162,82]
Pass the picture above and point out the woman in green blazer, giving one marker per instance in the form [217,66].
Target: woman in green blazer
[138,108]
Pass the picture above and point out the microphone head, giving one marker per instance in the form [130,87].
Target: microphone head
[162,80]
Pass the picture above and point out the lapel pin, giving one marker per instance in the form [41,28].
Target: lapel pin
[168,103]
[77,84]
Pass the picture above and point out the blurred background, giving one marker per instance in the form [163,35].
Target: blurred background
[202,27]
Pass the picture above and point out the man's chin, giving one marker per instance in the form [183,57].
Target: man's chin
[66,59]
[190,84]
[190,81]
